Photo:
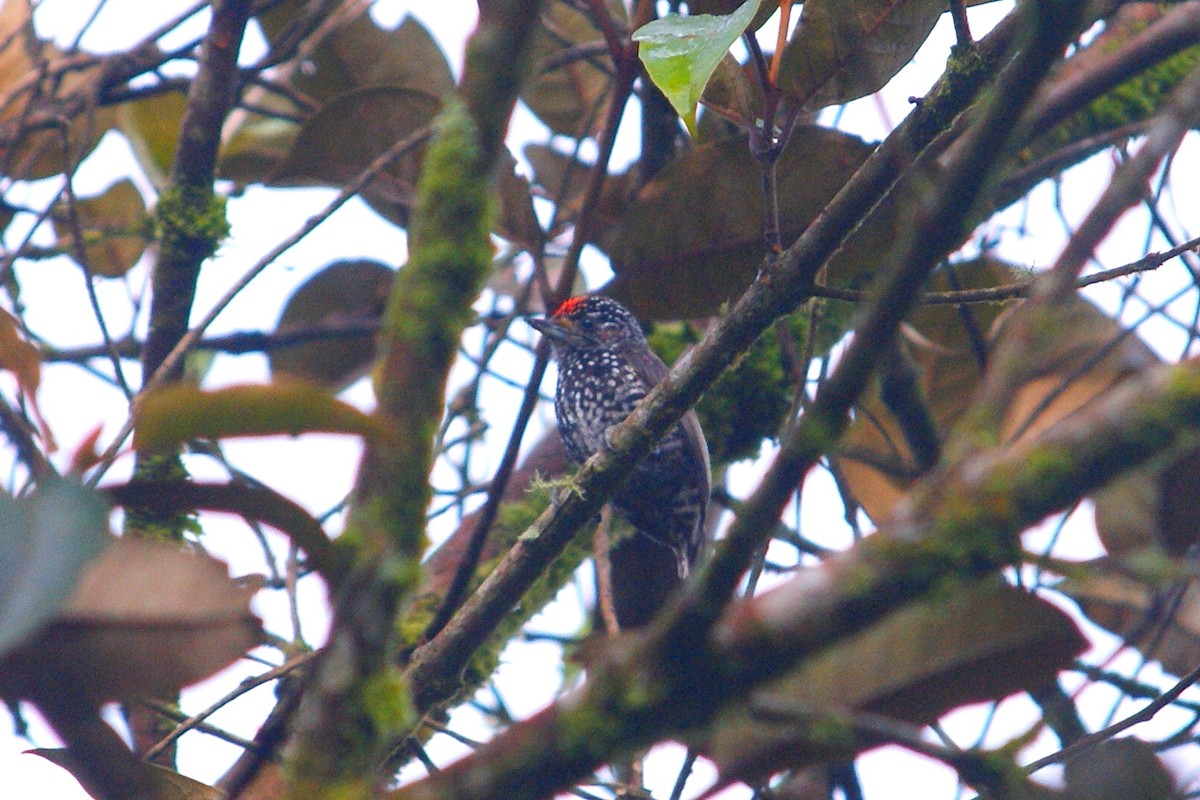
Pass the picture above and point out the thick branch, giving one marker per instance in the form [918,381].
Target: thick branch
[191,221]
[434,667]
[963,522]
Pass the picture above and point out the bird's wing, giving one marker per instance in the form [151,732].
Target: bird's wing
[652,368]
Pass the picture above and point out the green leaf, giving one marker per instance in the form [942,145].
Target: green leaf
[168,417]
[680,53]
[45,541]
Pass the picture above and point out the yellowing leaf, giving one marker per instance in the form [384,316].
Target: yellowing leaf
[168,417]
[152,127]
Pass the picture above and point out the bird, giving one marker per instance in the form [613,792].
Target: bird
[605,367]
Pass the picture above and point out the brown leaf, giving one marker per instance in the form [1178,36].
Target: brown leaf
[359,53]
[517,222]
[1089,354]
[1137,611]
[962,645]
[39,153]
[145,619]
[567,96]
[344,292]
[114,227]
[876,461]
[692,238]
[352,130]
[732,93]
[1155,507]
[19,356]
[1118,769]
[844,49]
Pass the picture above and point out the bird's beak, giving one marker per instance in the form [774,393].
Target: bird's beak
[556,329]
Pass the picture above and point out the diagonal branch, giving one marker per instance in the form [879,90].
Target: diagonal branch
[962,524]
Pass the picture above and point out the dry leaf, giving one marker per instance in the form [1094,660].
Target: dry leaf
[961,645]
[145,619]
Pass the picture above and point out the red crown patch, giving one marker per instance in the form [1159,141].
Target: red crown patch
[569,306]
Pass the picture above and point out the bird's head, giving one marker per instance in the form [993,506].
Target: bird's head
[590,321]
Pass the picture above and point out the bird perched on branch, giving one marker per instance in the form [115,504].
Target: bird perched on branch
[605,367]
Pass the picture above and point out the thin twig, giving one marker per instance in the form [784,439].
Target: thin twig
[193,336]
[1143,714]
[996,294]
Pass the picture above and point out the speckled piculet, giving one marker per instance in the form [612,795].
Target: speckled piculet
[605,367]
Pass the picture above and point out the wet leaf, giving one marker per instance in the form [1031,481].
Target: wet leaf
[46,539]
[167,784]
[844,49]
[345,292]
[692,238]
[144,619]
[114,226]
[681,53]
[962,645]
[168,417]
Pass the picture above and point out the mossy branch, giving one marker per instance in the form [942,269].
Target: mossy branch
[343,731]
[771,296]
[963,523]
[343,728]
